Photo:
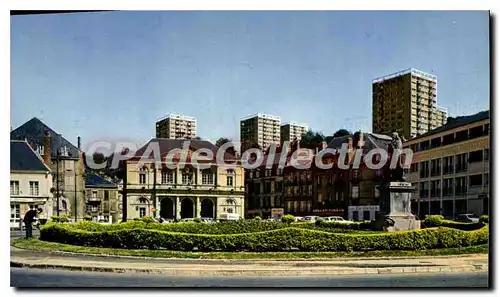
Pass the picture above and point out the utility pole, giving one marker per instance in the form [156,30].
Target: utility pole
[153,194]
[76,204]
[57,180]
[124,191]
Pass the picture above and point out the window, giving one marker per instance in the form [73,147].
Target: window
[355,192]
[34,188]
[486,154]
[64,205]
[142,212]
[167,177]
[207,177]
[106,195]
[435,167]
[414,167]
[448,187]
[460,186]
[448,165]
[424,189]
[229,181]
[461,163]
[94,194]
[15,215]
[424,169]
[486,179]
[476,180]
[14,188]
[435,188]
[187,177]
[142,178]
[476,156]
[377,191]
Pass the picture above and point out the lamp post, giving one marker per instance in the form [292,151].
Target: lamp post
[58,153]
[75,190]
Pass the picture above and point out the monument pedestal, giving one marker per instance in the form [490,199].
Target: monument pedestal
[395,208]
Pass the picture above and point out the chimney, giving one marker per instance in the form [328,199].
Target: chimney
[349,143]
[361,141]
[46,148]
[79,143]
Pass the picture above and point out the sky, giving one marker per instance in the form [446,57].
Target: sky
[111,75]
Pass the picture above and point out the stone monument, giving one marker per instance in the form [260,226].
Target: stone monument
[395,204]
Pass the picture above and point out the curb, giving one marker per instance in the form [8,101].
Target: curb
[256,272]
[339,259]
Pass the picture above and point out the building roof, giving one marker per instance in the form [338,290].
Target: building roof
[94,180]
[166,145]
[23,158]
[371,141]
[453,123]
[34,131]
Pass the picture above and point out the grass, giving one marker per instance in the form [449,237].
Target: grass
[39,245]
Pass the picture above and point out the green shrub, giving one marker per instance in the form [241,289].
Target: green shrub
[137,219]
[257,218]
[60,219]
[87,218]
[319,221]
[438,221]
[197,220]
[148,220]
[288,219]
[433,221]
[484,219]
[285,239]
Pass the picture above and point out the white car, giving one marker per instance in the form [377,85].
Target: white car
[299,219]
[337,219]
[310,219]
[187,220]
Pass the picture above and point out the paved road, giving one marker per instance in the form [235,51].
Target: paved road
[25,277]
[18,233]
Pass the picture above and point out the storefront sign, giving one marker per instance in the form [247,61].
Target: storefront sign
[336,211]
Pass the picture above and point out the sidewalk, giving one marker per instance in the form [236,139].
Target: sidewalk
[195,267]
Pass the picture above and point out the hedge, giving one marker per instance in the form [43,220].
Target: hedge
[438,221]
[484,219]
[229,227]
[285,239]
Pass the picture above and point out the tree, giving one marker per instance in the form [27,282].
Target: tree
[312,140]
[221,141]
[341,132]
[246,145]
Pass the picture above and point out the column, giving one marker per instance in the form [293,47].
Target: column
[178,208]
[198,176]
[157,206]
[198,208]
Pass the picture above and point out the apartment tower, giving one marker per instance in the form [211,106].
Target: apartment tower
[405,102]
[290,131]
[175,126]
[261,129]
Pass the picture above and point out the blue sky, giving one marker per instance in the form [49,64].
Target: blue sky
[111,75]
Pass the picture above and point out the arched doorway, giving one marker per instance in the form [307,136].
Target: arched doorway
[207,208]
[187,208]
[167,208]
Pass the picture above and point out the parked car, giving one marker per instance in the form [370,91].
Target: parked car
[187,220]
[467,218]
[299,219]
[337,219]
[207,220]
[310,219]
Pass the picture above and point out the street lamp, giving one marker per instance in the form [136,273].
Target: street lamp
[76,204]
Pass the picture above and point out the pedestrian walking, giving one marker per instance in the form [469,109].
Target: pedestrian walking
[29,217]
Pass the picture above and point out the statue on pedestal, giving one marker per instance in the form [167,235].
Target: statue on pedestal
[397,174]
